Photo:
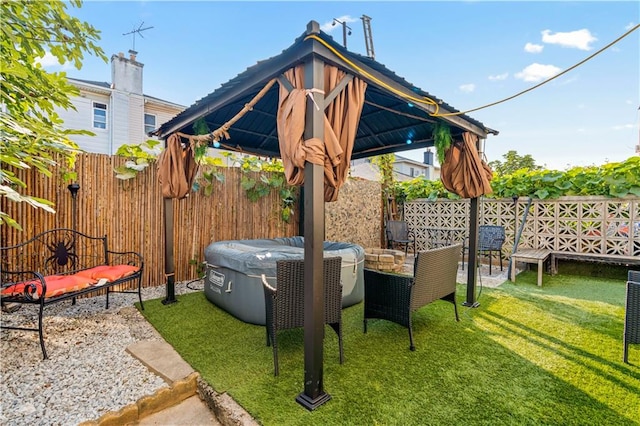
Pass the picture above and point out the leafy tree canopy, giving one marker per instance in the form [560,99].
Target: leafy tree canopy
[512,163]
[31,131]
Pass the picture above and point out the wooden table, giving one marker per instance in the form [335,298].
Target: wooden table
[538,256]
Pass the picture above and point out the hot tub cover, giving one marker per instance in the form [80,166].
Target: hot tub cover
[256,257]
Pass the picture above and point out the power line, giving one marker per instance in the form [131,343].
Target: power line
[546,81]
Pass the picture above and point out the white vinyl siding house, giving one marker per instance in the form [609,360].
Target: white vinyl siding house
[117,113]
[404,169]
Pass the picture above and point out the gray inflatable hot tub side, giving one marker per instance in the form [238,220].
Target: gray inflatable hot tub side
[233,275]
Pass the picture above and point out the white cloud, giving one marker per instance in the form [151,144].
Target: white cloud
[499,77]
[580,39]
[48,60]
[533,48]
[624,127]
[629,26]
[330,26]
[467,88]
[537,72]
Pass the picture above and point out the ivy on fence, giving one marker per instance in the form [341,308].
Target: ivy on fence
[614,180]
[270,171]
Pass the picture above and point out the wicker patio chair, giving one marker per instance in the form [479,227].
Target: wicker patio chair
[490,240]
[285,304]
[395,297]
[399,234]
[439,237]
[632,313]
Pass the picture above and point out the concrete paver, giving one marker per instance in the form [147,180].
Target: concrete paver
[163,360]
[192,412]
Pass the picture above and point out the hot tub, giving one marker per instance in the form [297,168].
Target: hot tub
[233,273]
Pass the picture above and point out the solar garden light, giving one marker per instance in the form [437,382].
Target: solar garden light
[74,188]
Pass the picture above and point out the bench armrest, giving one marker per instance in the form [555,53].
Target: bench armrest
[22,286]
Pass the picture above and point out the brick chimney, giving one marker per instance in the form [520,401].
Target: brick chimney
[428,157]
[126,74]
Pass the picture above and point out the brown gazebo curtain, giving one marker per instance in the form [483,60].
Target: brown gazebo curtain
[340,125]
[463,172]
[176,168]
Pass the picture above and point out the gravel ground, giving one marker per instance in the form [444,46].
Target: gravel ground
[88,372]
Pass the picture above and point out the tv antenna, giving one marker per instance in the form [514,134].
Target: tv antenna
[138,31]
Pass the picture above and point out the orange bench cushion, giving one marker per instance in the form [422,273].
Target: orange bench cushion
[56,285]
[109,272]
[60,284]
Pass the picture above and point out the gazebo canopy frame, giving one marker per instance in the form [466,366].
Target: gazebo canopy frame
[396,116]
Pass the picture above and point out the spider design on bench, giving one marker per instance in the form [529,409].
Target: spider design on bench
[63,252]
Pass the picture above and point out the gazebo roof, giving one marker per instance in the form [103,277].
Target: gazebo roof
[392,114]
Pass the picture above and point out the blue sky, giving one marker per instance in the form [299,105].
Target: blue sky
[467,53]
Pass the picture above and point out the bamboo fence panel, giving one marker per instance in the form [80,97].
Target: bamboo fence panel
[130,213]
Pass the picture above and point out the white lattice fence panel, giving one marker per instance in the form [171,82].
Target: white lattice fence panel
[590,225]
[416,214]
[423,214]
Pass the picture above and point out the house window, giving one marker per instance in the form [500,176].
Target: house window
[99,115]
[149,123]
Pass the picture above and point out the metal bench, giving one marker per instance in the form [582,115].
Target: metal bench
[63,264]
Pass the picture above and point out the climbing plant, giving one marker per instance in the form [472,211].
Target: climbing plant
[272,178]
[268,174]
[385,165]
[613,180]
[139,157]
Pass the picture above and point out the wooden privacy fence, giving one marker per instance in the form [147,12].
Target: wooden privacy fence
[130,214]
[599,227]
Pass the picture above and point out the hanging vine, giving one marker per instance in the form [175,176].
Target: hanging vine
[139,158]
[271,171]
[442,140]
[272,180]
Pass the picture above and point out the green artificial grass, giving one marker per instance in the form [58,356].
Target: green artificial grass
[526,355]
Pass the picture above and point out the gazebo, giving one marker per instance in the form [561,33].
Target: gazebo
[317,106]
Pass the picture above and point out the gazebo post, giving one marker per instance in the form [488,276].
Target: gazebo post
[472,270]
[169,262]
[313,395]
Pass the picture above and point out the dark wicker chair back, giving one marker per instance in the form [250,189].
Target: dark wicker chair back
[394,297]
[632,313]
[435,273]
[285,304]
[398,234]
[490,241]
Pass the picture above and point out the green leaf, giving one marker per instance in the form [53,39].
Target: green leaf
[30,95]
